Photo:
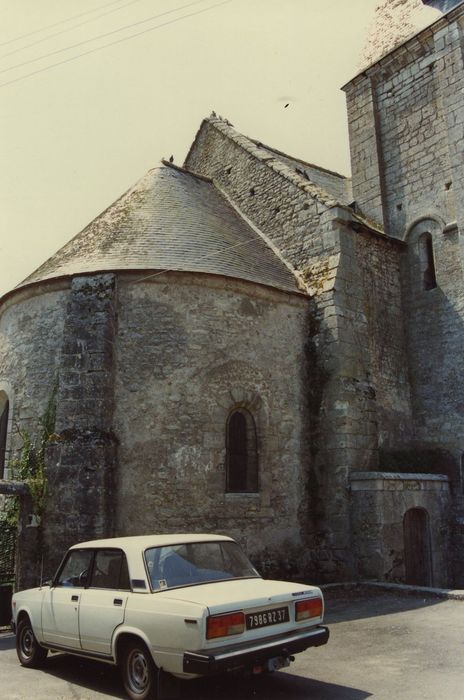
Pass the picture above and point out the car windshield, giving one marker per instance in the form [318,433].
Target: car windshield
[195,563]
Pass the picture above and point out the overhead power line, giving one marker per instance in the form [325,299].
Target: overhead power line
[213,254]
[113,43]
[68,29]
[55,24]
[100,36]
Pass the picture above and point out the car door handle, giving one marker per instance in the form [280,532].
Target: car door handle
[117,601]
[74,598]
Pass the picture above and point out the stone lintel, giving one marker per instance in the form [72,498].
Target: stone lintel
[375,481]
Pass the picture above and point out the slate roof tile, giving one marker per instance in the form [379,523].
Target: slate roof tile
[170,220]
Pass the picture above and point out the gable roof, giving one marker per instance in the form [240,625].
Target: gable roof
[337,186]
[170,220]
[327,190]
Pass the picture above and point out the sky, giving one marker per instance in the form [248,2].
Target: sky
[93,93]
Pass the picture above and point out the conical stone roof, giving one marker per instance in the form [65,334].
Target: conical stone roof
[170,220]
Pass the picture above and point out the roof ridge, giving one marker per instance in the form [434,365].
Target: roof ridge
[183,170]
[225,127]
[300,160]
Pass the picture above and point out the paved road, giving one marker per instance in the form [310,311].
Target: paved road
[383,646]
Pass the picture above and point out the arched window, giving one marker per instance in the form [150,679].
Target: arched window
[4,412]
[427,264]
[241,453]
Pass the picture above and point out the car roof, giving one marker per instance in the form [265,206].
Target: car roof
[141,542]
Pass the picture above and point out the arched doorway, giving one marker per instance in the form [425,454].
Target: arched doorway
[417,554]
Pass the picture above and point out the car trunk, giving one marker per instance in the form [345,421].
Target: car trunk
[269,606]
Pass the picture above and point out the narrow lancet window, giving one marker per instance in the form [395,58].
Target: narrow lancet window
[427,264]
[242,456]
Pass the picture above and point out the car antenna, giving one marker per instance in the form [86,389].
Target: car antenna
[41,570]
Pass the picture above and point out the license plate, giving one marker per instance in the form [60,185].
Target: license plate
[265,618]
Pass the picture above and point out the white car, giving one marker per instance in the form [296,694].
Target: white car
[186,605]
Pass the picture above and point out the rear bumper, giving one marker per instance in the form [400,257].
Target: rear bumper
[242,656]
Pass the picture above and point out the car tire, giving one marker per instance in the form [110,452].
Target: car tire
[28,649]
[139,672]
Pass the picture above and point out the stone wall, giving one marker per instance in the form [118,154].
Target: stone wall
[300,221]
[359,384]
[283,205]
[81,463]
[365,403]
[384,353]
[406,124]
[406,131]
[366,156]
[435,332]
[190,350]
[31,336]
[380,501]
[337,185]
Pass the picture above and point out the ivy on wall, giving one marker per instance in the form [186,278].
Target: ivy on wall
[29,466]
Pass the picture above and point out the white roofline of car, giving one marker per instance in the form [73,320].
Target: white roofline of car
[144,541]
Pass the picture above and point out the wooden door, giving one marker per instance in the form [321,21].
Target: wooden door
[417,555]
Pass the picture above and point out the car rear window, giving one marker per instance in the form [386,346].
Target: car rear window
[196,563]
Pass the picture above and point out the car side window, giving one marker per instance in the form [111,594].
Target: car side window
[75,569]
[110,570]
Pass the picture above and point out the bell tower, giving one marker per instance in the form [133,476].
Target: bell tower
[442,5]
[393,23]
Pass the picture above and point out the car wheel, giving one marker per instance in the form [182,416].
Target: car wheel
[29,651]
[139,672]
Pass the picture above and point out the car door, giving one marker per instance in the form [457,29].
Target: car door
[60,605]
[103,602]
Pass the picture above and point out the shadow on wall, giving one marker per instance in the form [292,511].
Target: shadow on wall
[432,286]
[420,460]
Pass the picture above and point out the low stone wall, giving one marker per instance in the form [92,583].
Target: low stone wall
[27,564]
[380,501]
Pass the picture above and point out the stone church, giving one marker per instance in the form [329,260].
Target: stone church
[254,345]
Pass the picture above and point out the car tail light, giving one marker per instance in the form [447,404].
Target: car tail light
[225,625]
[305,609]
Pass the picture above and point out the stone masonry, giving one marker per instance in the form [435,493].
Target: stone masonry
[330,310]
[81,464]
[353,274]
[406,117]
[380,501]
